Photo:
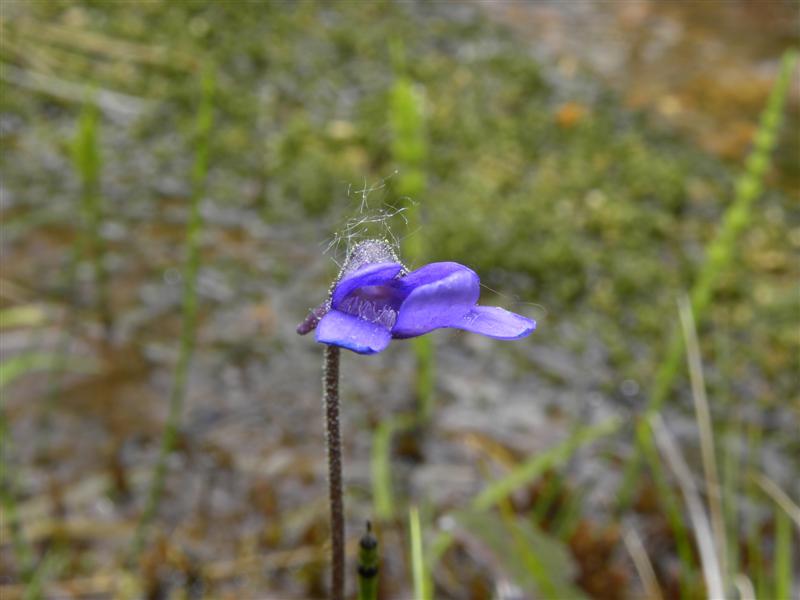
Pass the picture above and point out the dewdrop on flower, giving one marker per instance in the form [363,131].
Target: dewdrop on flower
[376,299]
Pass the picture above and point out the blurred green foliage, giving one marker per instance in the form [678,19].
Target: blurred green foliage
[540,564]
[191,270]
[409,151]
[88,164]
[542,183]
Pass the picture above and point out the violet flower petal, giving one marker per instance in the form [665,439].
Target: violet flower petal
[441,293]
[495,322]
[350,332]
[369,275]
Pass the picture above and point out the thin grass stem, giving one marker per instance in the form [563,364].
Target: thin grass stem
[755,541]
[535,466]
[422,584]
[780,497]
[674,515]
[566,520]
[88,162]
[745,587]
[705,430]
[193,234]
[69,328]
[783,554]
[731,468]
[709,557]
[527,555]
[22,549]
[380,464]
[643,565]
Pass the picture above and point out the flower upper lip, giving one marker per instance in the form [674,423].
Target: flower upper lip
[379,301]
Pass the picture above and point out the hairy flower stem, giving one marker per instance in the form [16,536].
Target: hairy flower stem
[330,383]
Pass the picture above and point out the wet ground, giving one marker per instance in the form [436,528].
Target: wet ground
[244,513]
[703,67]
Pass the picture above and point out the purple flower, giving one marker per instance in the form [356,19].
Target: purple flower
[376,299]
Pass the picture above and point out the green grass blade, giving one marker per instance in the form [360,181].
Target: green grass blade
[705,433]
[422,583]
[546,499]
[425,355]
[755,539]
[783,554]
[672,510]
[23,551]
[731,464]
[643,565]
[701,527]
[440,544]
[779,497]
[525,473]
[12,369]
[720,252]
[566,520]
[380,464]
[787,512]
[540,564]
[29,315]
[49,568]
[17,366]
[409,146]
[538,464]
[524,553]
[88,163]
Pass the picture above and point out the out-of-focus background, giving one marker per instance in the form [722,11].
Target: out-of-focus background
[178,182]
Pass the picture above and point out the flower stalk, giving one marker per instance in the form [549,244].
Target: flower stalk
[374,300]
[330,385]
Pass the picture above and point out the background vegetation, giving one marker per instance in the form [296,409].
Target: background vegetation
[172,175]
